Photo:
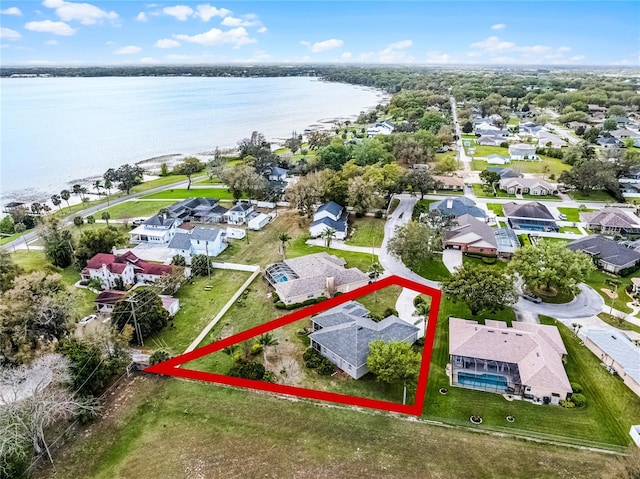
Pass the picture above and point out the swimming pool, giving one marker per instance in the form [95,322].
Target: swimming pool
[280,277]
[493,382]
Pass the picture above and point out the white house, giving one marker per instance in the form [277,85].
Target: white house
[495,159]
[200,240]
[106,301]
[158,229]
[128,267]
[523,151]
[278,174]
[239,213]
[258,222]
[380,128]
[330,215]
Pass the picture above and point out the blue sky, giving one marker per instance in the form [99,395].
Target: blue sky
[60,32]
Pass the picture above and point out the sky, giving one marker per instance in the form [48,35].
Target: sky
[60,32]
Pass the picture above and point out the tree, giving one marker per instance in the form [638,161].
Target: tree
[481,287]
[91,219]
[445,135]
[328,234]
[188,167]
[394,362]
[256,146]
[106,216]
[247,370]
[423,308]
[8,271]
[591,135]
[445,165]
[170,283]
[20,228]
[200,265]
[362,195]
[58,243]
[143,309]
[126,176]
[78,221]
[431,121]
[549,265]
[97,185]
[77,190]
[96,241]
[468,127]
[370,152]
[7,225]
[107,186]
[215,165]
[237,179]
[590,175]
[56,201]
[318,139]
[609,124]
[284,241]
[178,260]
[334,155]
[489,180]
[65,195]
[304,194]
[415,242]
[294,142]
[266,340]
[422,181]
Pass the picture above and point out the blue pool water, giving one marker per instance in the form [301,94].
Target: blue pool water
[488,381]
[280,278]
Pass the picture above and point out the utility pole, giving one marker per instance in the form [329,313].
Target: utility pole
[136,327]
[206,249]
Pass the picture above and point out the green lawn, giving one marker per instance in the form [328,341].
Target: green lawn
[207,181]
[367,231]
[8,239]
[514,121]
[597,280]
[592,196]
[524,240]
[135,209]
[548,166]
[183,193]
[394,204]
[617,322]
[469,260]
[433,269]
[482,151]
[542,197]
[379,301]
[496,208]
[480,193]
[605,419]
[570,229]
[361,261]
[573,214]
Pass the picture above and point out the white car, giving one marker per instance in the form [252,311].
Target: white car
[87,320]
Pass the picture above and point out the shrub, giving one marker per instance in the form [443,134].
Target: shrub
[312,358]
[326,368]
[288,307]
[504,144]
[254,371]
[256,348]
[389,312]
[378,214]
[578,399]
[158,357]
[567,404]
[576,388]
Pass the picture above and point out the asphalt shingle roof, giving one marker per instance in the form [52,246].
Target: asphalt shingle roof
[332,207]
[457,207]
[533,209]
[340,225]
[607,249]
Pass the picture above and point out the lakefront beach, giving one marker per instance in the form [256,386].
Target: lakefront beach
[71,130]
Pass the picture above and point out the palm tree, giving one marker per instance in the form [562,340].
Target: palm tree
[423,308]
[65,195]
[91,219]
[230,350]
[107,186]
[97,185]
[266,340]
[328,234]
[21,228]
[77,190]
[284,240]
[106,216]
[375,270]
[56,200]
[84,191]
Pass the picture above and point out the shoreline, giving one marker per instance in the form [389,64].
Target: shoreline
[152,164]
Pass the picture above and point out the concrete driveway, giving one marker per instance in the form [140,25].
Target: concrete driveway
[452,259]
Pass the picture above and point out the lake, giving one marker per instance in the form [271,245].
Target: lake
[58,130]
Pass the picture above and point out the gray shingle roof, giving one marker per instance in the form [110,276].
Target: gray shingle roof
[607,249]
[504,172]
[468,227]
[180,241]
[241,206]
[617,346]
[610,217]
[457,207]
[158,220]
[183,240]
[340,225]
[527,210]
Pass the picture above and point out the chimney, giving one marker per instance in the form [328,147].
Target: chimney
[449,203]
[330,285]
[113,251]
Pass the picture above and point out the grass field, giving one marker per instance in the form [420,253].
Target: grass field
[135,209]
[597,280]
[548,166]
[433,269]
[573,214]
[570,229]
[480,193]
[183,193]
[173,428]
[619,323]
[379,301]
[496,208]
[367,231]
[592,196]
[605,419]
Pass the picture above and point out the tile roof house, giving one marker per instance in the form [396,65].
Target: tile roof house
[624,133]
[454,207]
[307,277]
[607,254]
[612,221]
[343,334]
[618,353]
[106,301]
[547,139]
[527,186]
[523,360]
[533,216]
[131,269]
[330,215]
[523,151]
[159,229]
[239,213]
[199,240]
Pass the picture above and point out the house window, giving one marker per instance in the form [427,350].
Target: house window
[309,296]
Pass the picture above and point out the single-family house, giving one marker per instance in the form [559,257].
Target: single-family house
[199,240]
[591,108]
[455,207]
[451,183]
[330,215]
[607,254]
[621,120]
[530,128]
[618,353]
[609,142]
[380,128]
[489,140]
[612,221]
[128,267]
[343,335]
[533,216]
[523,151]
[471,235]
[495,159]
[198,210]
[547,139]
[527,186]
[621,133]
[238,214]
[504,172]
[574,125]
[313,276]
[106,301]
[159,229]
[522,360]
[278,174]
[12,206]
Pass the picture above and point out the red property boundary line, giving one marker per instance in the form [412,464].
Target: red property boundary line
[172,367]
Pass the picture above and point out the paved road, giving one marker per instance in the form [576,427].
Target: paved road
[587,303]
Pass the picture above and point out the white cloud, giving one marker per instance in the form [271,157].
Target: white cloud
[142,17]
[8,34]
[326,45]
[493,44]
[128,50]
[400,45]
[394,53]
[577,58]
[498,26]
[51,42]
[564,49]
[247,21]
[181,12]
[148,60]
[85,13]
[439,58]
[206,12]
[346,55]
[495,50]
[11,11]
[47,26]
[110,43]
[40,62]
[236,37]
[166,43]
[305,43]
[262,30]
[258,57]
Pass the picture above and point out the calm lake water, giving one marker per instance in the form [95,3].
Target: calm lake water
[57,130]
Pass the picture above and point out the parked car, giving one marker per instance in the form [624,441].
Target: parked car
[138,221]
[531,297]
[562,216]
[88,319]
